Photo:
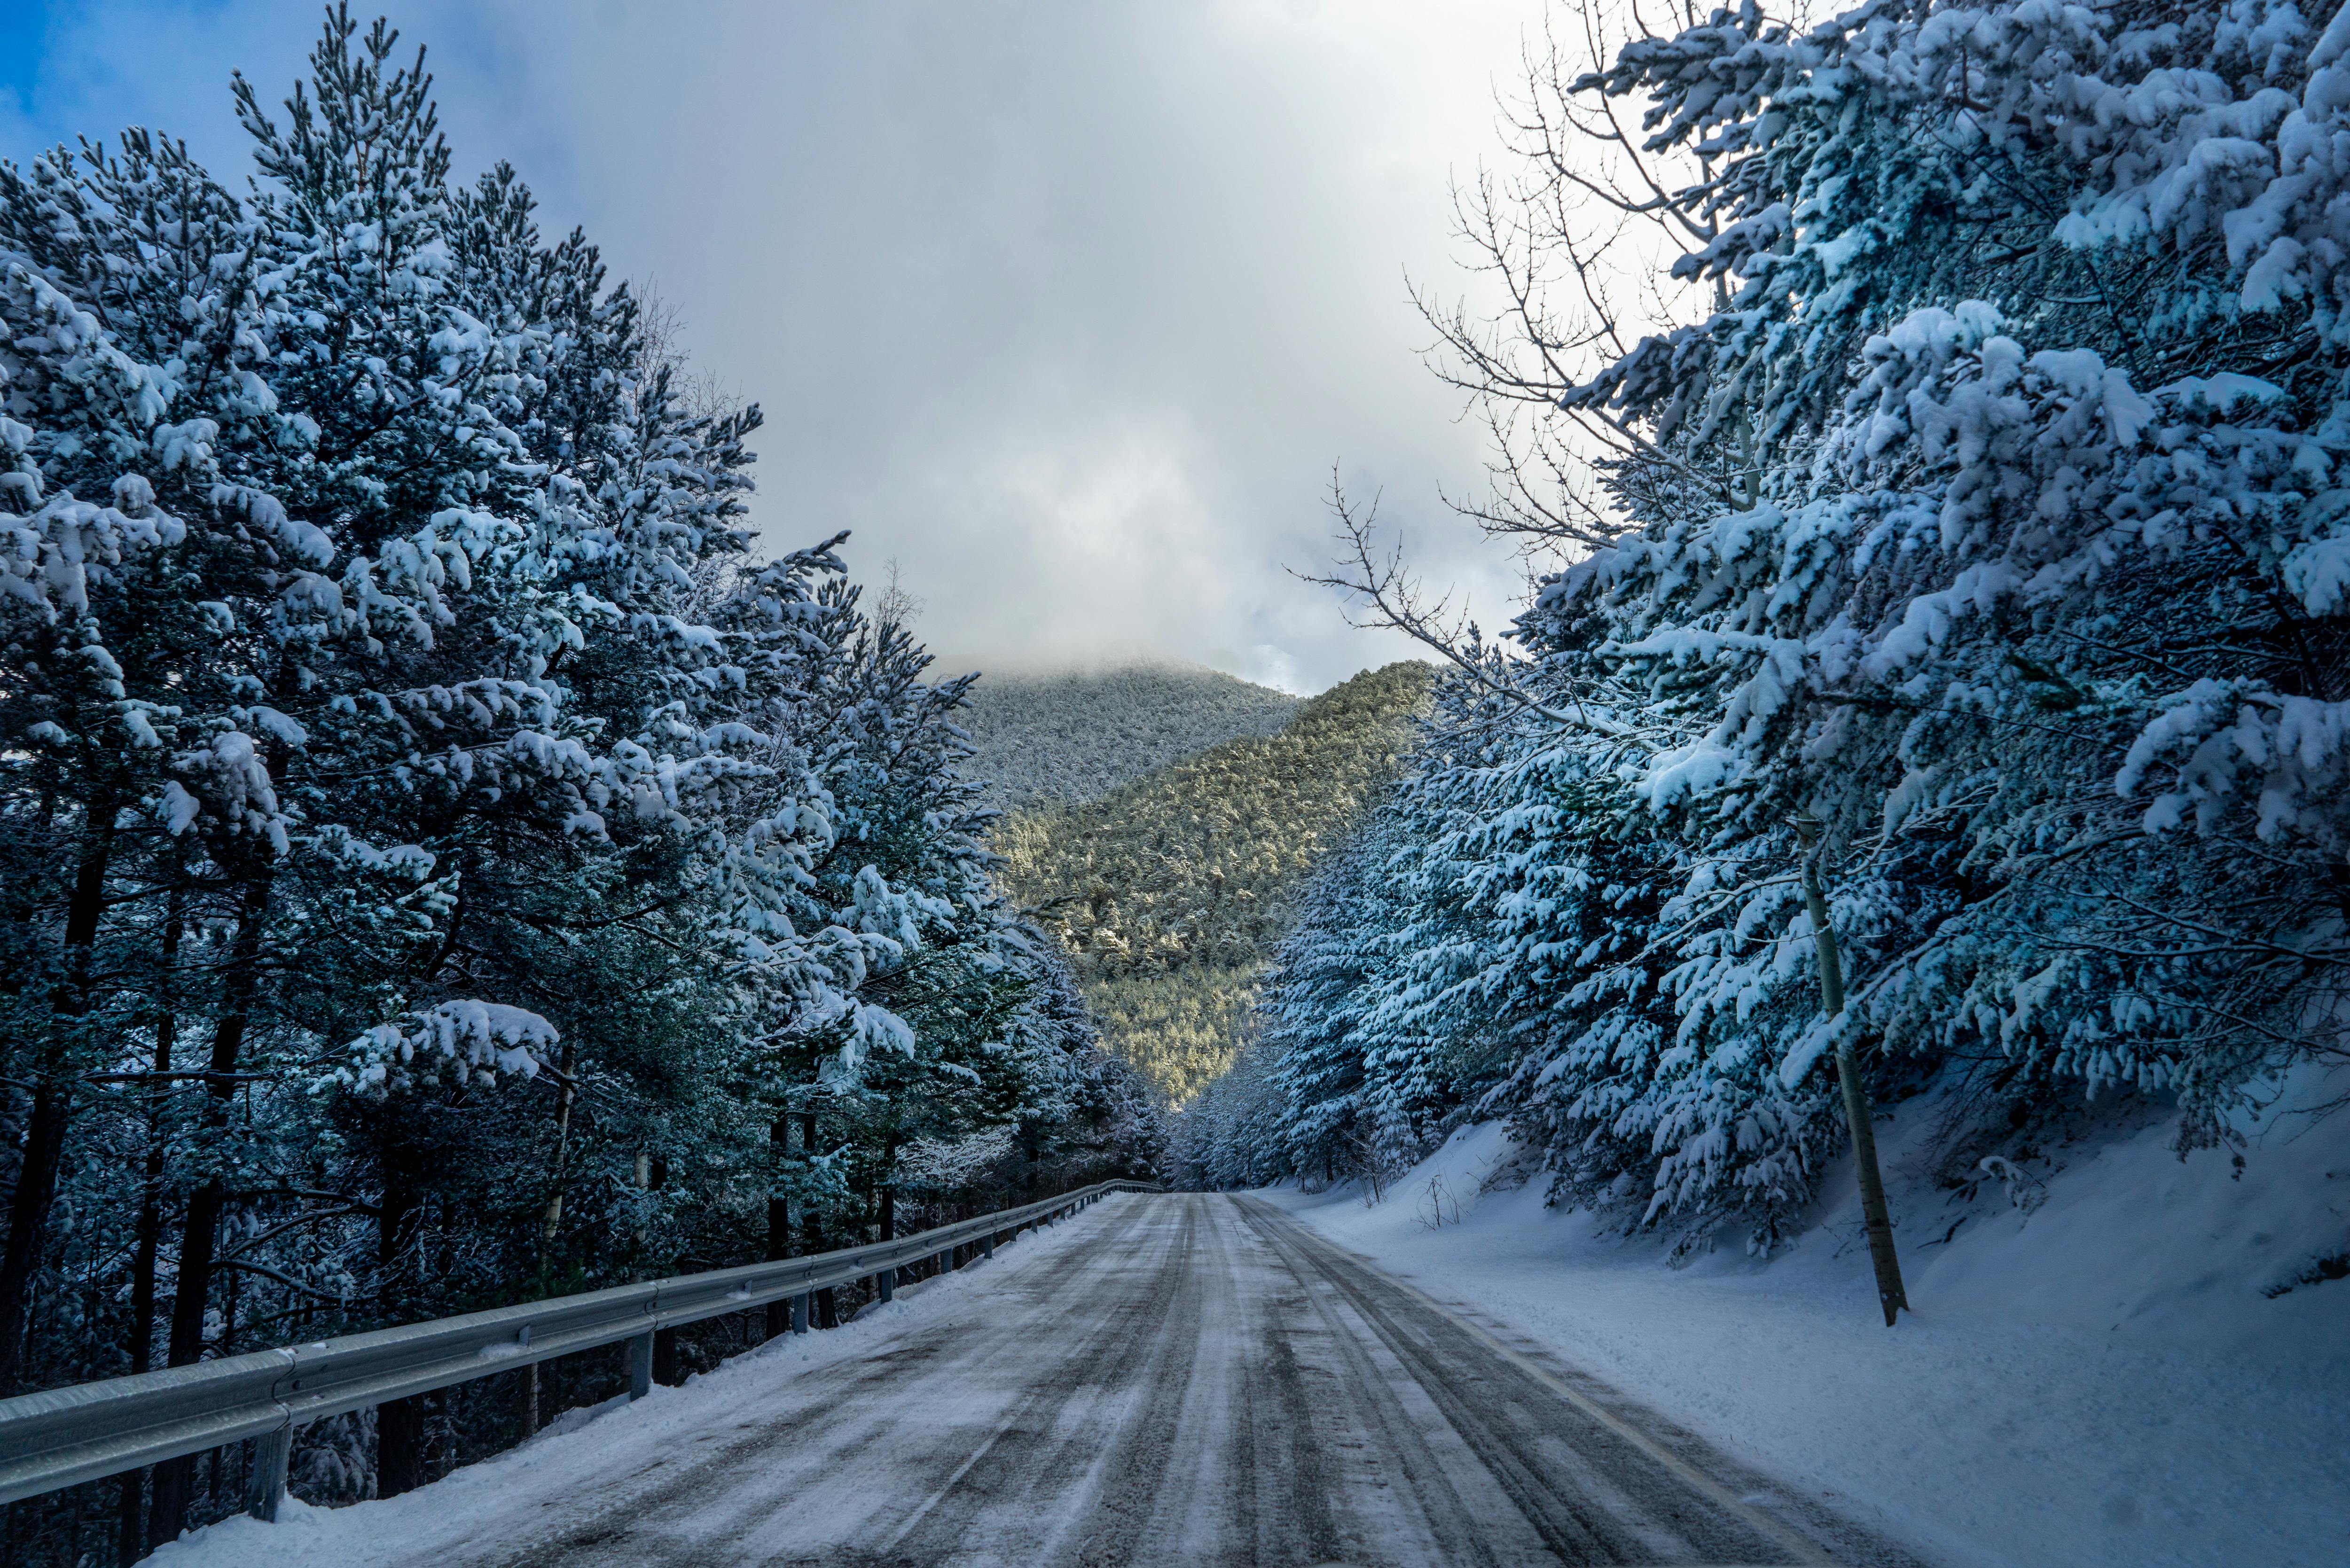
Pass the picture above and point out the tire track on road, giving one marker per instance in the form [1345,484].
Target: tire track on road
[1638,1499]
[768,1466]
[1197,1380]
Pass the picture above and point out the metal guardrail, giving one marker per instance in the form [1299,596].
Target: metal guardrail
[64,1436]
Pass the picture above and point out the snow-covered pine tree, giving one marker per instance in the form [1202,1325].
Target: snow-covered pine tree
[1332,1050]
[423,812]
[2024,599]
[1979,505]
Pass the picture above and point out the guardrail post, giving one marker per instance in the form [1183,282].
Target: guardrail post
[987,1245]
[888,1278]
[272,1453]
[640,1365]
[803,1309]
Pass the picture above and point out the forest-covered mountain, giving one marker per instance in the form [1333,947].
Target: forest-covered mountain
[1068,737]
[1171,893]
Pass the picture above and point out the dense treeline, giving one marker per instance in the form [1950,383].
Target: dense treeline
[1979,520]
[444,864]
[1171,892]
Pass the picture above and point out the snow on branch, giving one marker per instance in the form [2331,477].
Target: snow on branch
[456,1043]
[942,1165]
[1385,594]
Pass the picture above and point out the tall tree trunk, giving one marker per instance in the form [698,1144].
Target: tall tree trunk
[129,1519]
[779,1225]
[566,1092]
[398,1423]
[175,1479]
[1875,1215]
[199,1231]
[827,1311]
[150,1190]
[28,1217]
[149,1231]
[398,1446]
[45,1143]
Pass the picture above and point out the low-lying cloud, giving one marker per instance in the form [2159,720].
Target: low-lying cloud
[1067,309]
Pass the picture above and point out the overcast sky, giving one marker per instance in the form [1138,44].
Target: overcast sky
[1067,309]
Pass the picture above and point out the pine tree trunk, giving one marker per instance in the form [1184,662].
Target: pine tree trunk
[45,1144]
[130,1523]
[199,1231]
[398,1423]
[889,1187]
[1875,1214]
[812,1238]
[175,1479]
[28,1219]
[398,1446]
[149,1227]
[779,1227]
[566,1093]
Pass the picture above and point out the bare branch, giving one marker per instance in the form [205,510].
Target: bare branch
[1395,599]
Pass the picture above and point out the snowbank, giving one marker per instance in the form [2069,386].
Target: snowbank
[2100,1380]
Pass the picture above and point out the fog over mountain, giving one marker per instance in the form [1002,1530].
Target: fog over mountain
[1068,737]
[1069,308]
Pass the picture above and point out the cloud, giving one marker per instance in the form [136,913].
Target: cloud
[1070,308]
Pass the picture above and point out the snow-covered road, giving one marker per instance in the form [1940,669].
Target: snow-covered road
[1166,1380]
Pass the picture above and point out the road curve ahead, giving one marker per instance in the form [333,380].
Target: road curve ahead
[1184,1379]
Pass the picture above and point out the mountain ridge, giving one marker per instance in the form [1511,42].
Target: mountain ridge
[1072,735]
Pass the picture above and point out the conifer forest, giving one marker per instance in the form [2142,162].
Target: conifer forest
[1973,542]
[461,847]
[445,864]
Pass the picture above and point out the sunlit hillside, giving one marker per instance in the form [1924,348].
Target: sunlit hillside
[1171,891]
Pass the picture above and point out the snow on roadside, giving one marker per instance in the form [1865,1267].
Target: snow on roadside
[581,1445]
[2099,1381]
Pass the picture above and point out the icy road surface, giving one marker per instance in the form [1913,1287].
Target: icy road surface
[1177,1380]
